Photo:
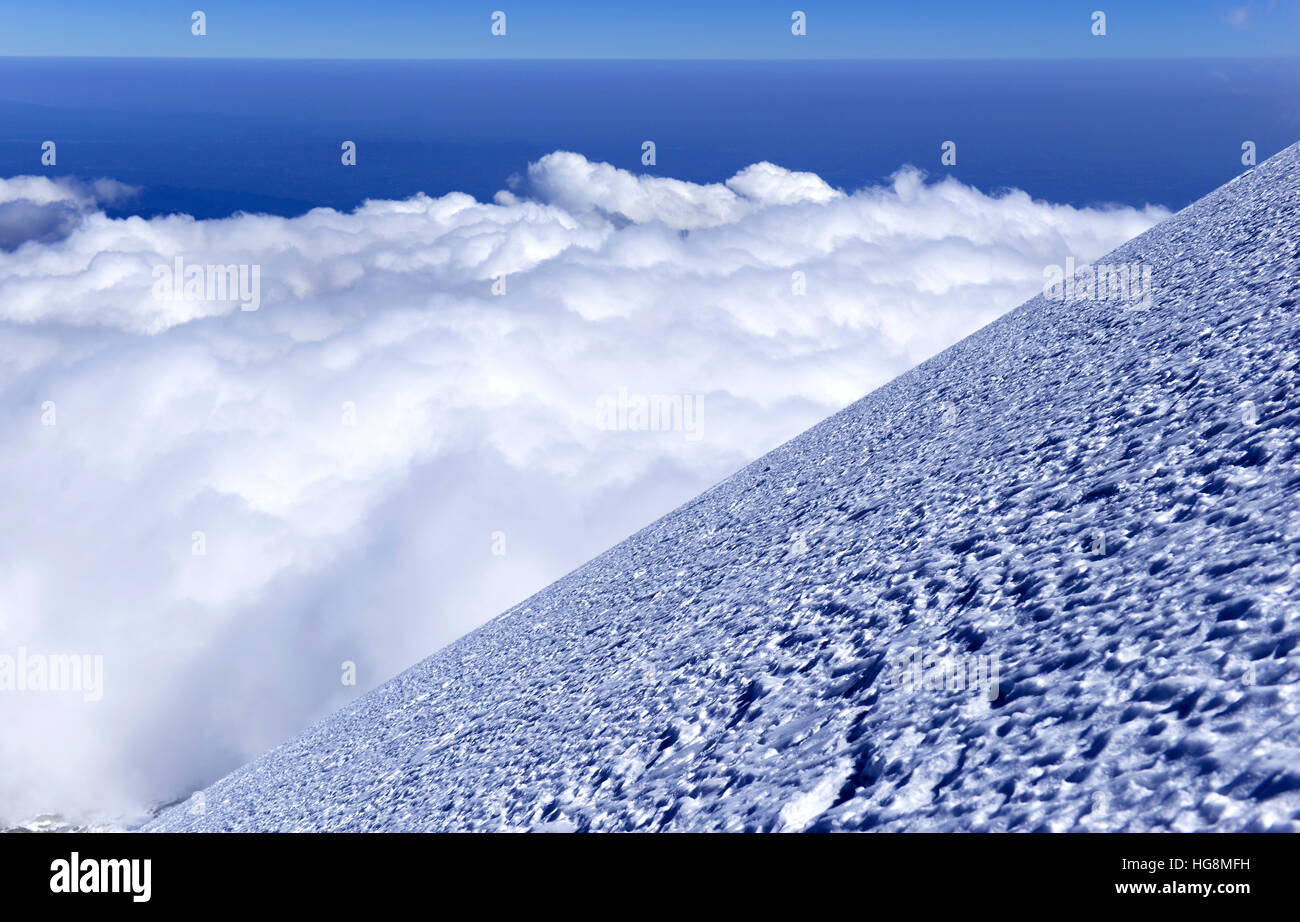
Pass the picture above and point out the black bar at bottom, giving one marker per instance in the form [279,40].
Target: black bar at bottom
[333,872]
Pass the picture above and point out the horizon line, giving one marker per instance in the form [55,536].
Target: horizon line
[738,60]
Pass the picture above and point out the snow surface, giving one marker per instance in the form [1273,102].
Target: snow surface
[1079,489]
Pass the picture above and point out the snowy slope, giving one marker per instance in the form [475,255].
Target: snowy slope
[1079,490]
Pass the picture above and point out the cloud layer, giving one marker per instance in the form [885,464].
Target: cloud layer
[418,391]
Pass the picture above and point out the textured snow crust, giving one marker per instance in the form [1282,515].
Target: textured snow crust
[1100,499]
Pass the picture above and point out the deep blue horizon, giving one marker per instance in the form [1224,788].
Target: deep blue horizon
[214,137]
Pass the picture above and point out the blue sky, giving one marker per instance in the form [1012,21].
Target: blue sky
[658,29]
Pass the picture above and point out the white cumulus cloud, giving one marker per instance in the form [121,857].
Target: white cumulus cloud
[349,456]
